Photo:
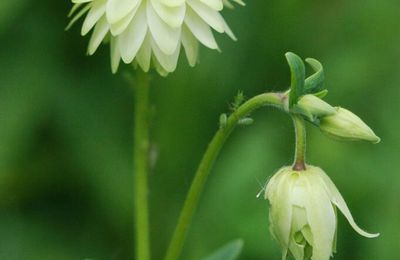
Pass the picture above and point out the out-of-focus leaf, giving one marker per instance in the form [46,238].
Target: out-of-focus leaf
[230,251]
[9,9]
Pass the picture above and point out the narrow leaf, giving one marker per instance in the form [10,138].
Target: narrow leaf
[297,71]
[229,251]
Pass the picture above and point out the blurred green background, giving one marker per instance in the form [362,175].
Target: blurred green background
[66,131]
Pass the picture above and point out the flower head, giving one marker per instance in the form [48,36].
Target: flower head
[345,125]
[303,213]
[141,31]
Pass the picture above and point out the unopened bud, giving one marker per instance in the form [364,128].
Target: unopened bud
[315,106]
[344,125]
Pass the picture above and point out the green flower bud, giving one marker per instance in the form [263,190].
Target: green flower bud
[315,106]
[303,213]
[344,125]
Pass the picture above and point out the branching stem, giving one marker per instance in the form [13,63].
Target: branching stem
[203,170]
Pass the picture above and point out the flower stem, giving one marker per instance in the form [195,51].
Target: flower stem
[141,166]
[203,170]
[300,153]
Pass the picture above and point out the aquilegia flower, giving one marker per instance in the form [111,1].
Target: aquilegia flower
[141,31]
[303,213]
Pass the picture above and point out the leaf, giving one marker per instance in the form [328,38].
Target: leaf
[229,251]
[315,82]
[297,71]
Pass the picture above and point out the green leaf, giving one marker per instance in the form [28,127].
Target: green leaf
[229,251]
[315,82]
[297,71]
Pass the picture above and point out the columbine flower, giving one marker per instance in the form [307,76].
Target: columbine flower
[142,31]
[303,213]
[344,125]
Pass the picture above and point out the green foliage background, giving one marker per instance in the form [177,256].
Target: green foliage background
[66,127]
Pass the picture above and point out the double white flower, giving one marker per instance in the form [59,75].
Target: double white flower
[303,213]
[142,31]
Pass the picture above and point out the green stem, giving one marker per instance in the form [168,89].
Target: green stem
[203,170]
[299,163]
[141,166]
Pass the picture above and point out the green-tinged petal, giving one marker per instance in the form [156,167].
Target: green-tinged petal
[100,31]
[166,37]
[215,4]
[338,200]
[278,194]
[143,56]
[200,29]
[191,45]
[118,9]
[97,10]
[77,16]
[320,215]
[120,26]
[132,38]
[209,15]
[115,55]
[173,16]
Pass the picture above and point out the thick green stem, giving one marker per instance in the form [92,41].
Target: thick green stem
[141,166]
[203,170]
[299,163]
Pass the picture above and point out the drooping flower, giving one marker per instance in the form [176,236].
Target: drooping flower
[148,32]
[303,213]
[345,125]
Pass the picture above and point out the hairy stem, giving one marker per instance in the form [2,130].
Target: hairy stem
[299,163]
[141,166]
[203,170]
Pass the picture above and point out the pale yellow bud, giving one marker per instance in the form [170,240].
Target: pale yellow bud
[344,125]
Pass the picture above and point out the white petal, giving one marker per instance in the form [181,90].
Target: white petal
[120,26]
[74,9]
[118,9]
[159,68]
[191,46]
[100,31]
[132,38]
[200,29]
[81,1]
[321,217]
[143,56]
[338,200]
[228,30]
[209,15]
[173,16]
[214,4]
[166,37]
[115,56]
[168,62]
[97,10]
[173,3]
[77,16]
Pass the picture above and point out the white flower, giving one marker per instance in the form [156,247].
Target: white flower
[141,31]
[303,213]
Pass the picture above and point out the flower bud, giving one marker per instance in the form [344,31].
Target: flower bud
[344,125]
[315,105]
[303,213]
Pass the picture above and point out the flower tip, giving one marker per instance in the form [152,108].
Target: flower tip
[377,140]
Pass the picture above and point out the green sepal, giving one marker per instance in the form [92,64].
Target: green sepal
[297,71]
[315,82]
[321,94]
